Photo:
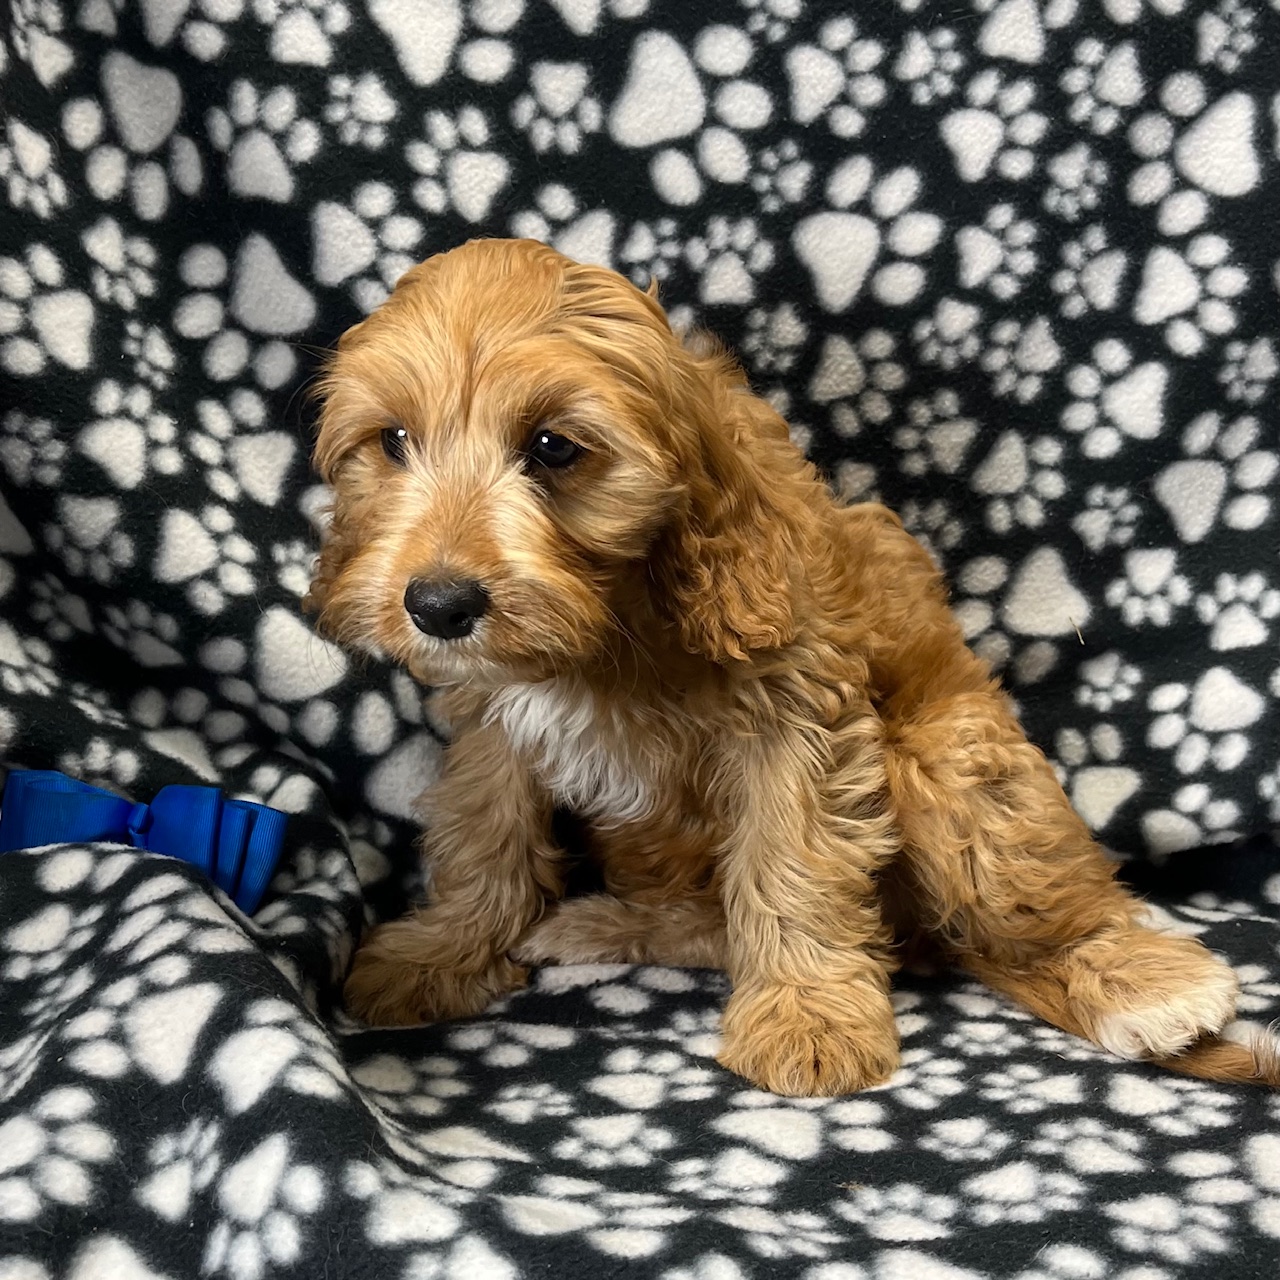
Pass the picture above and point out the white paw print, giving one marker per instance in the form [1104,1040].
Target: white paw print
[48,1154]
[1019,355]
[144,633]
[772,1234]
[265,1199]
[129,438]
[1152,590]
[644,1081]
[241,459]
[30,450]
[202,315]
[35,33]
[1103,83]
[1077,177]
[1114,399]
[780,175]
[184,1163]
[1193,490]
[61,613]
[933,525]
[368,246]
[1109,519]
[1087,1146]
[26,664]
[1022,1192]
[1248,369]
[1107,682]
[937,437]
[900,1212]
[925,1081]
[152,357]
[605,1142]
[207,554]
[651,252]
[403,1087]
[998,130]
[86,538]
[360,110]
[998,255]
[302,30]
[262,138]
[1226,35]
[27,170]
[904,234]
[523,1103]
[978,578]
[1024,1089]
[295,562]
[1204,724]
[557,112]
[1190,293]
[836,80]
[1169,1228]
[185,725]
[949,337]
[735,1174]
[774,338]
[1022,479]
[1075,750]
[457,169]
[771,19]
[39,318]
[930,63]
[1239,609]
[968,1138]
[510,1044]
[1091,274]
[102,763]
[727,256]
[1179,169]
[124,264]
[95,705]
[1259,990]
[859,378]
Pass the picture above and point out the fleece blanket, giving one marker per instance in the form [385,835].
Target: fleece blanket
[1009,265]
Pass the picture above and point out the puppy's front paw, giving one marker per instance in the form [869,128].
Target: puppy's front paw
[387,987]
[810,1041]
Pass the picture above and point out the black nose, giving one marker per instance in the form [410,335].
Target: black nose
[449,610]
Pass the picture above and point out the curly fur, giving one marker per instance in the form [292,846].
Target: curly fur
[790,763]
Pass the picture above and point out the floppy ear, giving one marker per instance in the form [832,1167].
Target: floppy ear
[727,570]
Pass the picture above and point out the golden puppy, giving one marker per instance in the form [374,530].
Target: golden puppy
[641,602]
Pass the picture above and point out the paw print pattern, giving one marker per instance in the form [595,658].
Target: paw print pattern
[262,138]
[1109,519]
[241,460]
[899,1212]
[934,525]
[836,80]
[1226,36]
[1190,293]
[1204,724]
[50,1155]
[359,110]
[937,437]
[367,246]
[1024,1089]
[1021,479]
[771,19]
[207,555]
[969,1138]
[522,1103]
[1091,275]
[30,450]
[124,265]
[130,439]
[1114,399]
[651,252]
[727,256]
[1019,356]
[294,562]
[997,130]
[86,538]
[40,320]
[144,633]
[931,63]
[102,763]
[402,1087]
[925,1081]
[1152,590]
[60,613]
[25,664]
[604,1142]
[184,1164]
[998,255]
[27,169]
[265,1198]
[949,337]
[1107,682]
[1170,1229]
[859,380]
[458,171]
[1103,84]
[303,30]
[1248,369]
[780,175]
[645,1081]
[1077,178]
[557,112]
[1239,610]
[773,337]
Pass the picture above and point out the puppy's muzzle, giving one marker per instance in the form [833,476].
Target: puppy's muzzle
[445,609]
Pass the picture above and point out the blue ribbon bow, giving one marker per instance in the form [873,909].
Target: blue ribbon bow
[234,842]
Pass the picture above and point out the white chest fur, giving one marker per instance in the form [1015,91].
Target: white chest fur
[580,748]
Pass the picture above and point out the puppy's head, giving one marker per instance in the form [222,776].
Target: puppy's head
[509,437]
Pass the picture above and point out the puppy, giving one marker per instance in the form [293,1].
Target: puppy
[639,601]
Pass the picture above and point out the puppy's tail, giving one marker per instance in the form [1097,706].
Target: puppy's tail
[1253,1059]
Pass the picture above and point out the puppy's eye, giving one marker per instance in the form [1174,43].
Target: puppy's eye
[549,449]
[394,442]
